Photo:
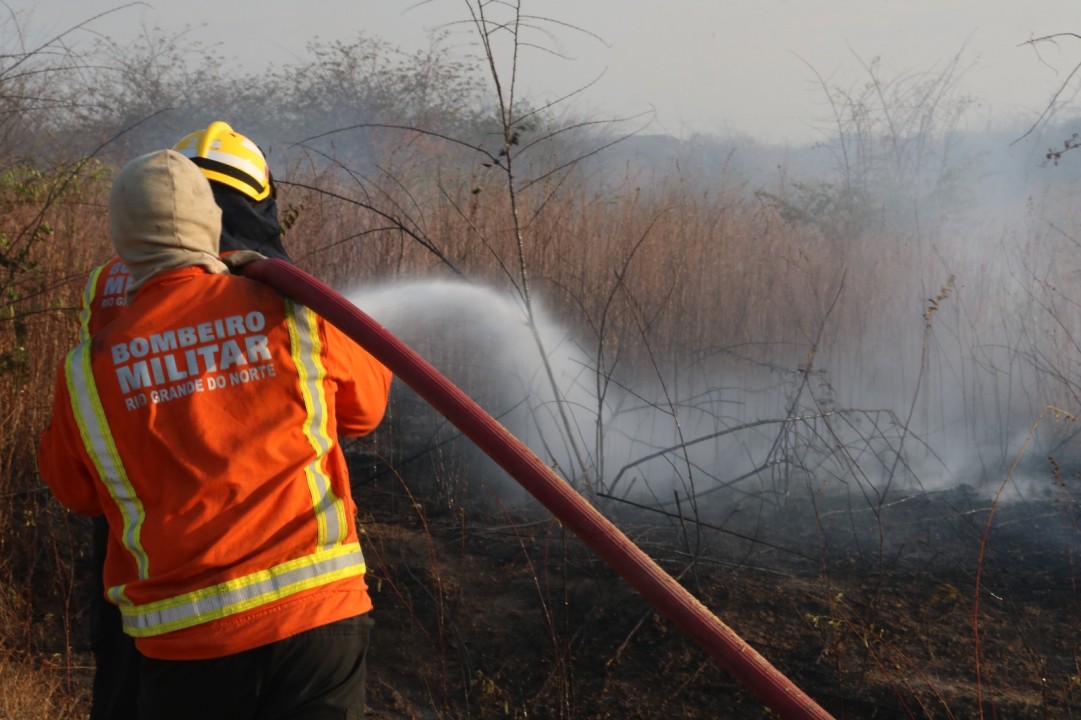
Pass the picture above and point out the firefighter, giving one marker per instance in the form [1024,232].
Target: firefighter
[244,189]
[203,424]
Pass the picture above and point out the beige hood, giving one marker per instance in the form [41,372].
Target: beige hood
[162,216]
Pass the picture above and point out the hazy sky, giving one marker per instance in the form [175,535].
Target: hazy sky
[702,65]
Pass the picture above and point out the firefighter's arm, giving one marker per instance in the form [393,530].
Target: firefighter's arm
[63,463]
[363,383]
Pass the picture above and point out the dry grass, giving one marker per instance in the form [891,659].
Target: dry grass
[33,691]
[703,302]
[55,228]
[669,278]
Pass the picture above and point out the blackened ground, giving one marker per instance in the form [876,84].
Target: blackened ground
[484,612]
[489,611]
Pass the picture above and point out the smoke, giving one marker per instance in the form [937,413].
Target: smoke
[764,455]
[653,440]
[481,341]
[895,440]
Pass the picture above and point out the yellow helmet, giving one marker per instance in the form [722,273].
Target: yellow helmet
[227,157]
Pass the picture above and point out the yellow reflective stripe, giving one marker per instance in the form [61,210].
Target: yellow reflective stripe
[88,298]
[100,446]
[306,351]
[116,595]
[234,596]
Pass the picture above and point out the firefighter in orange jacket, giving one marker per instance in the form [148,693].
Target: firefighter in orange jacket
[203,424]
[241,181]
[244,190]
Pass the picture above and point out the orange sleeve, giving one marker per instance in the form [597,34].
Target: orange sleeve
[63,463]
[363,383]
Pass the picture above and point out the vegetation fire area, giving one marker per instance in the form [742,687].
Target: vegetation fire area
[831,390]
[507,615]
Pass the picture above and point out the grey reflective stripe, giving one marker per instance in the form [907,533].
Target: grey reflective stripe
[100,446]
[307,357]
[251,591]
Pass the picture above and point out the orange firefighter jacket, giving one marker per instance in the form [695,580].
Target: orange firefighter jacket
[104,296]
[203,423]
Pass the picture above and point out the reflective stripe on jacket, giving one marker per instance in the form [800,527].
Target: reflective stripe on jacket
[204,424]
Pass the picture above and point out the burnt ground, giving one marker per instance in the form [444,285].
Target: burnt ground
[488,612]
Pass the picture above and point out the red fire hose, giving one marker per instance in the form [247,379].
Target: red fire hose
[669,597]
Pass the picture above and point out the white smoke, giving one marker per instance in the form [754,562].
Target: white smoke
[641,439]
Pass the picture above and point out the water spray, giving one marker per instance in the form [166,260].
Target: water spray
[670,598]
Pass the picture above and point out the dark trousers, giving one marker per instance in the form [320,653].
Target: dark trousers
[315,675]
[116,661]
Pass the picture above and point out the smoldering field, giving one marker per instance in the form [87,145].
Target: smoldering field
[858,387]
[849,369]
[811,396]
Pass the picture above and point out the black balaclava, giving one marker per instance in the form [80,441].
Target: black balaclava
[247,224]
